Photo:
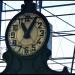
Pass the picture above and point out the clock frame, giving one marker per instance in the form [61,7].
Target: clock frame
[46,38]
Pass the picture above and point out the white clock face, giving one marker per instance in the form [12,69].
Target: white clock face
[27,34]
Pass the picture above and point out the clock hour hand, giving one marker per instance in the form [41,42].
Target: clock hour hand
[27,34]
[23,27]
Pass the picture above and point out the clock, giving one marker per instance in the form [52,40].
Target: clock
[27,33]
[26,38]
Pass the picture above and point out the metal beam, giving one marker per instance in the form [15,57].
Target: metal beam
[62,63]
[59,5]
[45,16]
[0,22]
[40,5]
[73,59]
[61,58]
[0,15]
[59,18]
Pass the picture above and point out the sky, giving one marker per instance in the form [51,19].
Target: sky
[61,47]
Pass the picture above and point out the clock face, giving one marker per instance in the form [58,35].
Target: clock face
[27,34]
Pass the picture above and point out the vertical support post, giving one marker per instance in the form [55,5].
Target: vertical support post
[36,4]
[73,60]
[0,15]
[40,5]
[0,23]
[49,45]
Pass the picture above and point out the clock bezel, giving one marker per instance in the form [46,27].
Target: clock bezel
[45,42]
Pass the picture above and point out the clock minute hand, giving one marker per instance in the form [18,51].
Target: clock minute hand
[27,34]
